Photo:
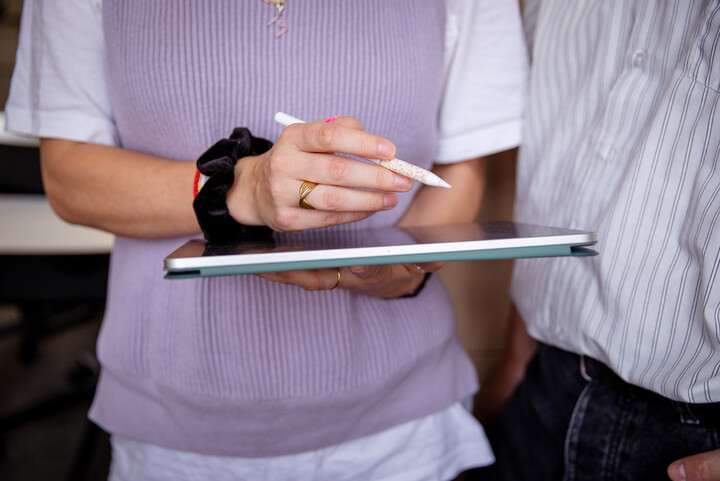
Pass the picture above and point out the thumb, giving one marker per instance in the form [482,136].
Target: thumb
[430,266]
[699,467]
[367,272]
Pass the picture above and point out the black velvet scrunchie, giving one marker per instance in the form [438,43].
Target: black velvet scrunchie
[218,164]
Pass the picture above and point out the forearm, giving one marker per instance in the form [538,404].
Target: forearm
[118,190]
[461,203]
[140,195]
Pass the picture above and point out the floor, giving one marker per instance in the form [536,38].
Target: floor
[44,401]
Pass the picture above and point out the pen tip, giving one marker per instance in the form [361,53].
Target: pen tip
[445,184]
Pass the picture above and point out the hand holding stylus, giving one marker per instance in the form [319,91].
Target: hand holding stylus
[307,179]
[396,165]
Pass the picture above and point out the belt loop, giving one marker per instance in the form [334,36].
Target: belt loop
[685,411]
[583,369]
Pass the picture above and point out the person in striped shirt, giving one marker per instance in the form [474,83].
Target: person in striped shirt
[623,348]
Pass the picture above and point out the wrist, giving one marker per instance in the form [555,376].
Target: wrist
[214,181]
[417,290]
[242,197]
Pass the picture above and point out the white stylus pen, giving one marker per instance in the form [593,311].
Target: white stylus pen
[396,165]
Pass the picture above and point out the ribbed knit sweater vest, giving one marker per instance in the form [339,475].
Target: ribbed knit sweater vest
[239,365]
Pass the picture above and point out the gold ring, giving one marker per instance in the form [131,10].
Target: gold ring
[305,189]
[338,280]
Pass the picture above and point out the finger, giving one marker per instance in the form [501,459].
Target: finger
[388,281]
[294,220]
[699,467]
[326,137]
[374,273]
[372,278]
[330,198]
[349,121]
[381,272]
[426,267]
[291,166]
[309,280]
[344,171]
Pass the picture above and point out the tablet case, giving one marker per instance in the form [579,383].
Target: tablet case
[341,247]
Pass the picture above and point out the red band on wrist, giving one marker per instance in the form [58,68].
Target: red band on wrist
[196,189]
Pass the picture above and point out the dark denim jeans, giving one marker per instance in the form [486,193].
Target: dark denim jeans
[559,426]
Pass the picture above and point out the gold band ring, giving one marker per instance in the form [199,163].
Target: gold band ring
[305,189]
[338,280]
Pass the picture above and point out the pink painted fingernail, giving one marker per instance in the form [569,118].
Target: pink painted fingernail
[332,119]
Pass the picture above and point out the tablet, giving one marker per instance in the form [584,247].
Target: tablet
[341,247]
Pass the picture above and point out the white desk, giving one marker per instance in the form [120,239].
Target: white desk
[28,225]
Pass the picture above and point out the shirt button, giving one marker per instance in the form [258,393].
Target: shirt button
[605,151]
[639,57]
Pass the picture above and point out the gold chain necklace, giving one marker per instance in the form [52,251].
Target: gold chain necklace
[282,27]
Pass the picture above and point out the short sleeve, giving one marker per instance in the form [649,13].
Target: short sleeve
[529,15]
[58,87]
[486,77]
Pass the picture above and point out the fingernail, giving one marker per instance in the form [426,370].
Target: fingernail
[403,183]
[677,472]
[358,269]
[390,200]
[386,149]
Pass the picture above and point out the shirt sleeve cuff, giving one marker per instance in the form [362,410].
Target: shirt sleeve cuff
[77,127]
[479,143]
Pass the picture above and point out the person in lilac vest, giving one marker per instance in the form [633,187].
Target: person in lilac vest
[353,374]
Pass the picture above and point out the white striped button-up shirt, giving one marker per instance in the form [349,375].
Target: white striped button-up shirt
[623,138]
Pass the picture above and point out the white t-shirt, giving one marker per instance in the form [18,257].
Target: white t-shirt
[470,125]
[434,448]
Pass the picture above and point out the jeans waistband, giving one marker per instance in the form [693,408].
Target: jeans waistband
[706,414]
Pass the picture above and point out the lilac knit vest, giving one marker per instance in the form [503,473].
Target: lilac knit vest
[239,365]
